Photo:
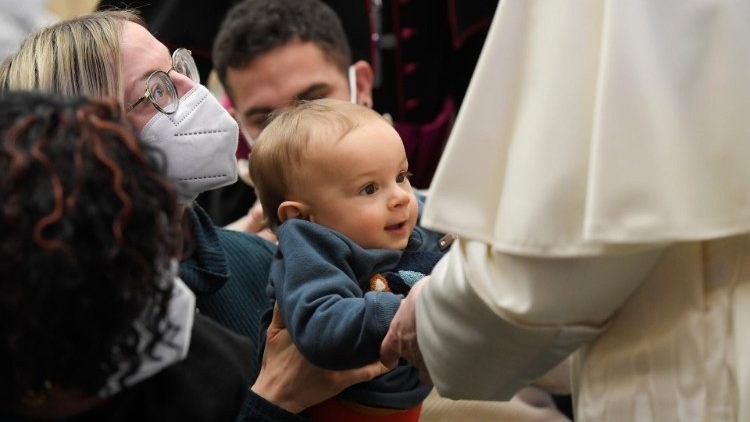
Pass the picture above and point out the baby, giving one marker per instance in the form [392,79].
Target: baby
[333,179]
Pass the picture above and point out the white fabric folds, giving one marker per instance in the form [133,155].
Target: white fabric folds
[595,123]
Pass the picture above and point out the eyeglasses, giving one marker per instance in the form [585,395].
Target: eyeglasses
[160,89]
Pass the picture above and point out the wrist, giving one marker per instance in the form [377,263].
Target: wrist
[276,397]
[259,409]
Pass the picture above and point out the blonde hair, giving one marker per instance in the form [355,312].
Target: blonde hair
[75,57]
[279,153]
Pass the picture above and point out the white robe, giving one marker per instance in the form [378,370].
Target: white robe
[599,177]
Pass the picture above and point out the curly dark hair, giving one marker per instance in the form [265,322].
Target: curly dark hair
[254,27]
[89,228]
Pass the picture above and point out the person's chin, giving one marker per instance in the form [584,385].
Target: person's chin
[401,244]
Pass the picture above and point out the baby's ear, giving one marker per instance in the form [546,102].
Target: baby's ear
[293,209]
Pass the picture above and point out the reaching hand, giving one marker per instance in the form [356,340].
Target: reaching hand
[289,381]
[254,222]
[401,339]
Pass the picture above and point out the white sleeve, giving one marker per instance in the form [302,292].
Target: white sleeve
[489,323]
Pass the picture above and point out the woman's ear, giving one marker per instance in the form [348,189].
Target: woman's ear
[364,74]
[292,209]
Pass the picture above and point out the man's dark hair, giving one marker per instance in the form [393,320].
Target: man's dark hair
[89,228]
[255,27]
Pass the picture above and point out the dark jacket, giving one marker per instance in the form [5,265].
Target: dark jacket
[212,384]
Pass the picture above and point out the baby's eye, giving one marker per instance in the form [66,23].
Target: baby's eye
[403,176]
[370,189]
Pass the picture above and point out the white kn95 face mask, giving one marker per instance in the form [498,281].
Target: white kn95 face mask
[199,141]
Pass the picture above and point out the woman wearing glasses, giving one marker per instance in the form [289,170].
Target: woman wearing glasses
[111,54]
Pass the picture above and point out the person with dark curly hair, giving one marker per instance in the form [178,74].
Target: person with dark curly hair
[112,55]
[89,302]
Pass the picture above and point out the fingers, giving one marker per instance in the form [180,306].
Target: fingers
[338,381]
[357,375]
[277,323]
[390,348]
[395,346]
[414,356]
[256,220]
[401,338]
[268,235]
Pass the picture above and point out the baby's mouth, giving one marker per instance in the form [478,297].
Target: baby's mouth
[396,226]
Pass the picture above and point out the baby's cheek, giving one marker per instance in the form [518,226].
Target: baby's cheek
[414,211]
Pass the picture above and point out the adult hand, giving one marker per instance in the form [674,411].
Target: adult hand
[289,381]
[401,339]
[254,222]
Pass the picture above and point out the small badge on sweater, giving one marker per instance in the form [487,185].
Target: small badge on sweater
[378,283]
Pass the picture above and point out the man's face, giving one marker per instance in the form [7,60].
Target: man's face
[295,71]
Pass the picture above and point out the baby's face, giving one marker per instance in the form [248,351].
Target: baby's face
[359,186]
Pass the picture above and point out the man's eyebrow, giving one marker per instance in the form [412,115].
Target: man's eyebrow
[311,90]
